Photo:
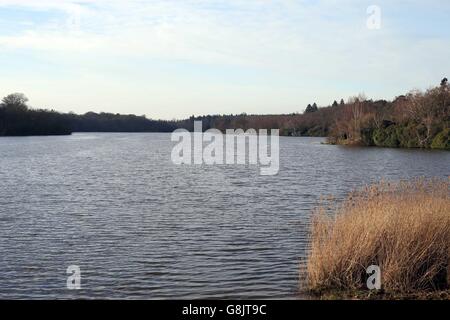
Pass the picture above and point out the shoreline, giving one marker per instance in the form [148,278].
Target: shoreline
[442,295]
[359,144]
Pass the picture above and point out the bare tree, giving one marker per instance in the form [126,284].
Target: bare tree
[357,113]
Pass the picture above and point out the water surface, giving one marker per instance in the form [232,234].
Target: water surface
[142,228]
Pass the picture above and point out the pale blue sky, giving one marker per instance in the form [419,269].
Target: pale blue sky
[174,58]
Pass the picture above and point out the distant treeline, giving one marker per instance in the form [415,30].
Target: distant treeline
[17,119]
[415,120]
[109,122]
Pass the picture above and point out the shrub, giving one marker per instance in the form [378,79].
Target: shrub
[386,137]
[379,136]
[407,136]
[404,228]
[442,140]
[367,136]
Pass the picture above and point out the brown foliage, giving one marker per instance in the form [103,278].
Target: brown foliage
[404,228]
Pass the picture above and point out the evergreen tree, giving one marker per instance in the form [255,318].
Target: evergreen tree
[311,108]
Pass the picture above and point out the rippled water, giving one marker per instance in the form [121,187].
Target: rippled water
[140,227]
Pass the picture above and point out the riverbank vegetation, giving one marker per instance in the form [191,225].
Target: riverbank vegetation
[404,228]
[415,120]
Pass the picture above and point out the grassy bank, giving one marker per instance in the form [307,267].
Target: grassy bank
[403,228]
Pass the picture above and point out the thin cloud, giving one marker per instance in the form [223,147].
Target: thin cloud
[300,49]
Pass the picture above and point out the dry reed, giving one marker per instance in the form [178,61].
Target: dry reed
[404,228]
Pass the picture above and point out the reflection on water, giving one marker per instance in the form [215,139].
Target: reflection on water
[140,227]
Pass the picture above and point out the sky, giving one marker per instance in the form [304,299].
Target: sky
[170,59]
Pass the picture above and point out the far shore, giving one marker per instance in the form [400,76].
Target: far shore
[417,120]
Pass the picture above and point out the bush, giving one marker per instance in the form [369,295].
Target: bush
[407,136]
[386,137]
[379,136]
[367,136]
[442,140]
[403,228]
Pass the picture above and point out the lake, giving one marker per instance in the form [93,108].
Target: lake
[140,227]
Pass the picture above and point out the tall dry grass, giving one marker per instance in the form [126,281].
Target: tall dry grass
[404,228]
